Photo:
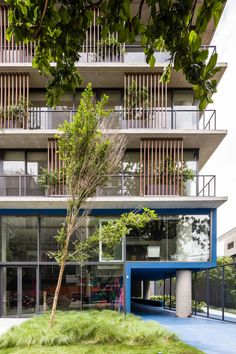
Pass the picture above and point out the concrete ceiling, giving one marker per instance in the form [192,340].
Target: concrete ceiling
[104,75]
[204,140]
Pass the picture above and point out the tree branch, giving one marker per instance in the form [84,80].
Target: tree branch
[41,20]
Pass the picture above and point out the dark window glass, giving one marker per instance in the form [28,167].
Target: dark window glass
[19,238]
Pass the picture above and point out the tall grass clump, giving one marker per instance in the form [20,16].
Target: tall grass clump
[92,326]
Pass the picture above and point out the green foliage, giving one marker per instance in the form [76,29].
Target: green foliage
[110,235]
[16,112]
[49,178]
[77,327]
[137,96]
[171,300]
[59,29]
[175,170]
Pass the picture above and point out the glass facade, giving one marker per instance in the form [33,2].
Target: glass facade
[182,238]
[92,286]
[175,238]
[28,276]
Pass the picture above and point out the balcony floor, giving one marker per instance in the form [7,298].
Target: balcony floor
[120,203]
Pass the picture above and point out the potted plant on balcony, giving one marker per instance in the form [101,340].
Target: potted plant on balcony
[175,173]
[110,50]
[188,176]
[137,105]
[14,115]
[49,180]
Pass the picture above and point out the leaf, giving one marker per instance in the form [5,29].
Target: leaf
[152,61]
[212,62]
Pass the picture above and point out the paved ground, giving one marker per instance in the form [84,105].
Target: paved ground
[6,323]
[211,336]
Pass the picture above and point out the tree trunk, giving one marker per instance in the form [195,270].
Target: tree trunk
[70,225]
[56,294]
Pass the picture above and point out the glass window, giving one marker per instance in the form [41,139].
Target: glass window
[36,161]
[19,238]
[14,163]
[184,238]
[115,100]
[99,287]
[49,225]
[185,115]
[107,252]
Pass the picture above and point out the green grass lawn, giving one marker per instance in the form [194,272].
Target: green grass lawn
[92,332]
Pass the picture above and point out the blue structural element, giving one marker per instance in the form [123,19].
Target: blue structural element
[142,270]
[157,270]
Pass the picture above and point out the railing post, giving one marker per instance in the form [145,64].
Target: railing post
[214,186]
[19,186]
[164,291]
[223,293]
[122,184]
[208,291]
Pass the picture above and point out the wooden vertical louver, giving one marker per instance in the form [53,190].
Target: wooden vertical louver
[145,101]
[55,166]
[10,51]
[161,163]
[14,100]
[97,50]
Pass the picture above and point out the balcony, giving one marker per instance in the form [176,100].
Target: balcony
[115,53]
[169,119]
[123,185]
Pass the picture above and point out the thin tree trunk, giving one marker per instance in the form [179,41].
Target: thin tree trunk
[70,225]
[56,294]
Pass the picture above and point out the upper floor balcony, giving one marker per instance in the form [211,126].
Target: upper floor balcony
[126,54]
[122,118]
[122,185]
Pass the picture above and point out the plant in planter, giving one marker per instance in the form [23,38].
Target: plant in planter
[137,104]
[173,173]
[49,180]
[16,114]
[110,49]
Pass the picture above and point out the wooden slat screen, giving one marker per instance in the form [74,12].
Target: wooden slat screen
[11,52]
[145,101]
[97,50]
[55,165]
[14,100]
[161,162]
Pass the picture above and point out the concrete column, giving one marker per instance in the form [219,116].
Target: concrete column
[183,293]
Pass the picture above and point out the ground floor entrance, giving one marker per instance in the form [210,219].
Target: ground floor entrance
[29,289]
[18,295]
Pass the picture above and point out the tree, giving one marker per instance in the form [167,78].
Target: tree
[88,156]
[59,30]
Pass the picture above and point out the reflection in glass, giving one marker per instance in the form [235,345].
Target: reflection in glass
[19,238]
[96,287]
[182,238]
[48,230]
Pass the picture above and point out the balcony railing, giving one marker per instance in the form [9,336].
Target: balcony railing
[185,119]
[126,54]
[117,185]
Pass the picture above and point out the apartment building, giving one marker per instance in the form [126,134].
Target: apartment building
[169,140]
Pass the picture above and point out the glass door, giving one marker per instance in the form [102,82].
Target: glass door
[28,291]
[19,291]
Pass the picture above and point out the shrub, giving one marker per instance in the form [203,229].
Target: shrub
[199,304]
[76,327]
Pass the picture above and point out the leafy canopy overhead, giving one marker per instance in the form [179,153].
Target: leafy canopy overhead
[59,29]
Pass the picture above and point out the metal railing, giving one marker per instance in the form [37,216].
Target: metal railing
[116,185]
[184,119]
[125,53]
